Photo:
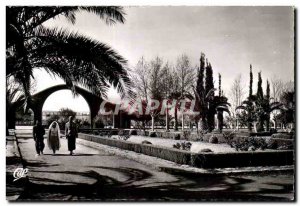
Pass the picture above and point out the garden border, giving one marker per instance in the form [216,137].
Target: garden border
[201,160]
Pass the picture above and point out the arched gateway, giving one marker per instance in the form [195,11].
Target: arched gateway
[39,99]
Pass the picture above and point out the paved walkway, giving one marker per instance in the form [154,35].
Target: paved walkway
[94,174]
[13,188]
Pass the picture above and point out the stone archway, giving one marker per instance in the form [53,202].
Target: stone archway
[39,99]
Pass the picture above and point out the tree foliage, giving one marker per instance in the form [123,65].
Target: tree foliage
[75,58]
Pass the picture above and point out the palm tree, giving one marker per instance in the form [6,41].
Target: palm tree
[221,105]
[202,100]
[260,110]
[288,108]
[248,106]
[75,58]
[14,93]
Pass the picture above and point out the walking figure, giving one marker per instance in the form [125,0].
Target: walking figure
[53,137]
[71,134]
[38,136]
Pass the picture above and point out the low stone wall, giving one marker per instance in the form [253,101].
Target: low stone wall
[201,160]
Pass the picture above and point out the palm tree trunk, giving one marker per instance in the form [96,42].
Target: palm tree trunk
[182,121]
[220,121]
[260,124]
[152,121]
[175,120]
[167,121]
[268,123]
[255,128]
[202,124]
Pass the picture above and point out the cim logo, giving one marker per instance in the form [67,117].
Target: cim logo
[20,173]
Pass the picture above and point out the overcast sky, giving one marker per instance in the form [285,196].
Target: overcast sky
[231,38]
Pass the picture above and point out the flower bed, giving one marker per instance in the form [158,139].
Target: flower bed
[201,160]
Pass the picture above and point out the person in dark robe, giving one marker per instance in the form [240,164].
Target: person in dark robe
[38,136]
[71,134]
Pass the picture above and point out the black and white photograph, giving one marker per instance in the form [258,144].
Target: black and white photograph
[150,103]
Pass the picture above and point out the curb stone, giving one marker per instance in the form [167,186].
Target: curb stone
[173,168]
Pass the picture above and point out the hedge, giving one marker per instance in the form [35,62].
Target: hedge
[201,160]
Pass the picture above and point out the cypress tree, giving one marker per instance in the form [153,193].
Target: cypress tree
[201,93]
[220,90]
[268,90]
[268,105]
[250,98]
[260,93]
[259,101]
[251,83]
[209,81]
[200,83]
[209,85]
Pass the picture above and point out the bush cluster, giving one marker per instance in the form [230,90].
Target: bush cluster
[152,134]
[213,139]
[186,135]
[123,134]
[183,146]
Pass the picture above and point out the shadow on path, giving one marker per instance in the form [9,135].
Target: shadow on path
[109,189]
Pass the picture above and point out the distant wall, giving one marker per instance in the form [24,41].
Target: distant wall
[201,160]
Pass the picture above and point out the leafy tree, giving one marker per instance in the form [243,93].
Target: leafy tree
[237,93]
[170,86]
[149,83]
[185,75]
[62,117]
[65,113]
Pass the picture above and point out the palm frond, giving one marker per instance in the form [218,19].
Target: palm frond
[210,93]
[111,14]
[223,109]
[80,60]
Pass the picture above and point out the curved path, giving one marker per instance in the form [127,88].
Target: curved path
[97,175]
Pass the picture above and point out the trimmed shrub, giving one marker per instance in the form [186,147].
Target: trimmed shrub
[142,133]
[186,135]
[177,145]
[183,146]
[201,135]
[249,144]
[272,144]
[177,137]
[229,136]
[133,132]
[206,150]
[285,147]
[146,142]
[213,139]
[260,134]
[186,146]
[152,134]
[123,134]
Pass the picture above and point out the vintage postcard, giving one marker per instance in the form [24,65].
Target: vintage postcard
[150,103]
